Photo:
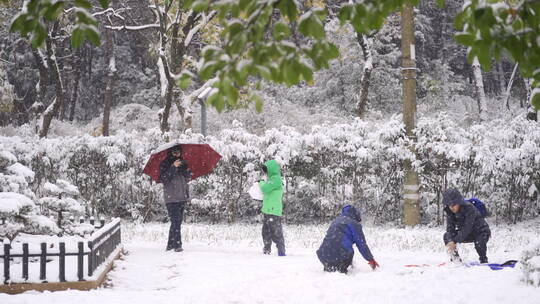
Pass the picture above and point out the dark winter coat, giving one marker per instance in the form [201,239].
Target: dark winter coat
[175,186]
[344,231]
[467,222]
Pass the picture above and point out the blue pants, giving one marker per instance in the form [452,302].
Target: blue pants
[176,215]
[340,266]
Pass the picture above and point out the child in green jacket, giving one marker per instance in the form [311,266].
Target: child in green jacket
[272,208]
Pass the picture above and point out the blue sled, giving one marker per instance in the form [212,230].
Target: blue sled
[495,266]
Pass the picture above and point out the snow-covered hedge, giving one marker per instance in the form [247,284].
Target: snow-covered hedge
[18,212]
[530,264]
[361,162]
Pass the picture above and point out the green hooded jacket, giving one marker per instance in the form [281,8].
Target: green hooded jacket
[272,190]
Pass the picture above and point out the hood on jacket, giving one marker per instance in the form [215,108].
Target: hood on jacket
[452,197]
[170,151]
[351,212]
[272,168]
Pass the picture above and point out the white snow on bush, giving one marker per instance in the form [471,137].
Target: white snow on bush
[11,202]
[67,187]
[52,188]
[7,156]
[82,229]
[21,170]
[62,204]
[42,223]
[530,265]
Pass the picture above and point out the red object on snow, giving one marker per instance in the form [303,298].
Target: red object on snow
[201,159]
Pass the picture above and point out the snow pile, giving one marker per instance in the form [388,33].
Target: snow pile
[530,265]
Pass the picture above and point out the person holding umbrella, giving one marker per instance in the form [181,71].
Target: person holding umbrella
[174,164]
[175,174]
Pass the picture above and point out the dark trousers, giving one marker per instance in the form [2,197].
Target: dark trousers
[176,215]
[272,231]
[479,239]
[340,266]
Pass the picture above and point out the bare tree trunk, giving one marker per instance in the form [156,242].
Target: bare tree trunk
[532,113]
[366,43]
[509,88]
[411,185]
[43,75]
[76,80]
[479,81]
[444,80]
[500,77]
[165,113]
[109,47]
[53,109]
[162,14]
[178,49]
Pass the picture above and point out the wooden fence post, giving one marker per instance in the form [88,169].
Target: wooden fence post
[25,261]
[7,248]
[91,259]
[62,262]
[80,262]
[43,262]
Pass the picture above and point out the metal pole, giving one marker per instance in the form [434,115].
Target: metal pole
[203,116]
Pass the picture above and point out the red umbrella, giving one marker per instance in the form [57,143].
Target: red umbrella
[201,159]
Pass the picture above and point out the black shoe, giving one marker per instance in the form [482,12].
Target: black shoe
[266,251]
[483,260]
[178,249]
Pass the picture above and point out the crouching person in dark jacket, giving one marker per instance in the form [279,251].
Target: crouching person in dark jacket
[464,224]
[336,251]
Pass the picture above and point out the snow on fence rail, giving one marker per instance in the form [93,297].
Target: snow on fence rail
[98,249]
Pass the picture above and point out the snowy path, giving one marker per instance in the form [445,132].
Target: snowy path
[227,274]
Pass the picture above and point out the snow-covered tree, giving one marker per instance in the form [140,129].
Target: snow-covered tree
[61,199]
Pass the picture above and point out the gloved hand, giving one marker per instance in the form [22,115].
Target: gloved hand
[451,246]
[373,264]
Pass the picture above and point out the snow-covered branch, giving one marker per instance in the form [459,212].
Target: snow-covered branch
[133,27]
[192,97]
[113,12]
[205,19]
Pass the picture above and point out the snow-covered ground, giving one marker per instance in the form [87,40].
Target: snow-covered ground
[224,264]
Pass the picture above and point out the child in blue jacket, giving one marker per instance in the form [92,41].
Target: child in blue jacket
[336,251]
